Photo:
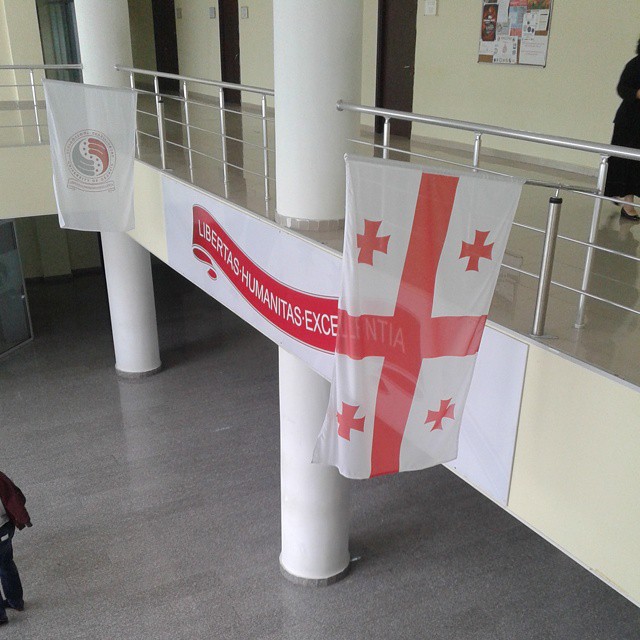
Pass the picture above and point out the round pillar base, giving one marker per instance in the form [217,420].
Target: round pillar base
[307,224]
[315,582]
[136,375]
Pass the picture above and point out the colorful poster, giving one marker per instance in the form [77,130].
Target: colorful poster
[489,22]
[516,18]
[511,32]
[506,50]
[543,20]
[534,50]
[530,24]
[503,11]
[487,48]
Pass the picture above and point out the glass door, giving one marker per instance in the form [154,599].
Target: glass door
[15,323]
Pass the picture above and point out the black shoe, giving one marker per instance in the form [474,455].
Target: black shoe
[628,216]
[4,621]
[10,605]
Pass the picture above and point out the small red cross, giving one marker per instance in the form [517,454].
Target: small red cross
[445,411]
[368,242]
[476,250]
[347,421]
[415,332]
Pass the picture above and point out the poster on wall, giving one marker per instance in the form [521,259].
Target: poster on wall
[515,32]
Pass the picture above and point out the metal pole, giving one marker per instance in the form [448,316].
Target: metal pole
[386,136]
[132,84]
[223,133]
[544,284]
[476,150]
[185,97]
[160,115]
[265,152]
[597,206]
[35,105]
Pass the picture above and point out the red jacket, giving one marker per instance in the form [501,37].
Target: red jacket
[13,501]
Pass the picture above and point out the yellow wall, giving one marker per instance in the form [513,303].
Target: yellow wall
[19,45]
[574,96]
[369,53]
[199,41]
[256,45]
[29,190]
[5,49]
[149,211]
[142,39]
[47,251]
[23,32]
[577,465]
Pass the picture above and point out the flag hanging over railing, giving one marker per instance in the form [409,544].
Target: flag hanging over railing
[422,253]
[92,139]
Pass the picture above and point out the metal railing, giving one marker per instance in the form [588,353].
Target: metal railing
[550,234]
[25,97]
[221,139]
[190,93]
[161,108]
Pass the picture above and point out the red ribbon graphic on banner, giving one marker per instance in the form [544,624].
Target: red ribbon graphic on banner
[308,318]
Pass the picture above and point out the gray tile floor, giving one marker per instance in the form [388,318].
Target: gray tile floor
[156,504]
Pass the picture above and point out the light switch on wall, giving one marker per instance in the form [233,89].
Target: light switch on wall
[430,7]
[212,13]
[244,12]
[179,13]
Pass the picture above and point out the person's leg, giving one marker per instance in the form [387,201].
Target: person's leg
[3,614]
[9,576]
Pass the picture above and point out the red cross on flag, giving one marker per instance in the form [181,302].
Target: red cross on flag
[422,253]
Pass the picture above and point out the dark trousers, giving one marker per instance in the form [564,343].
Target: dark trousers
[9,576]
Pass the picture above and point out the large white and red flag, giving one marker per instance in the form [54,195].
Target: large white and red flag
[422,253]
[92,140]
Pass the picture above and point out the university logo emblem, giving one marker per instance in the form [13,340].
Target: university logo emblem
[91,159]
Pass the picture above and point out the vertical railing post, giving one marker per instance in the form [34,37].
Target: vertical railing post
[132,84]
[223,134]
[476,150]
[546,268]
[386,137]
[597,206]
[265,151]
[160,116]
[187,123]
[35,105]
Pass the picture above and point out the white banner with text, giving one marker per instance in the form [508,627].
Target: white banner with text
[280,283]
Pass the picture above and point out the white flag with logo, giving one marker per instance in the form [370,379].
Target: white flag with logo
[422,253]
[92,138]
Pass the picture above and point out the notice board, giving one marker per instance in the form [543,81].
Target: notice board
[515,32]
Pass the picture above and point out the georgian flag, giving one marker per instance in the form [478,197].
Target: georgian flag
[422,253]
[92,140]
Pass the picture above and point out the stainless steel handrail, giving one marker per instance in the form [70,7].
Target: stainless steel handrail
[46,67]
[515,134]
[212,83]
[34,106]
[186,101]
[605,151]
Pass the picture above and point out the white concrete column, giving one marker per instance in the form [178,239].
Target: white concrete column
[317,57]
[317,61]
[105,40]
